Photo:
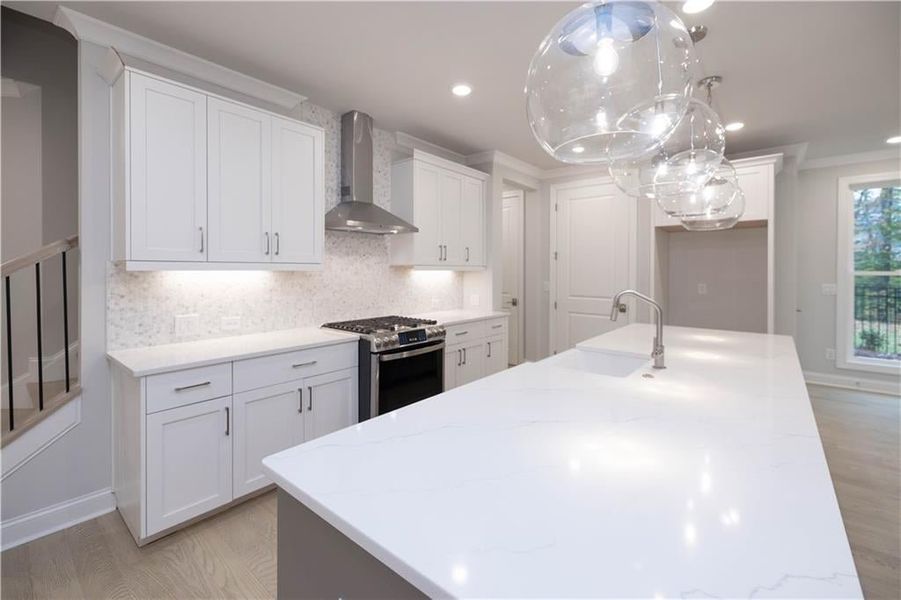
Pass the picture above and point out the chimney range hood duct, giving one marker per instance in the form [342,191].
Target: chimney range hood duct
[356,211]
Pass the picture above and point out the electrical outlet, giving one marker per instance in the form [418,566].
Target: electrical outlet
[230,323]
[702,289]
[830,353]
[474,300]
[828,289]
[186,325]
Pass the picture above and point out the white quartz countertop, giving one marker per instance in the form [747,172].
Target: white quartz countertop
[706,480]
[457,317]
[169,357]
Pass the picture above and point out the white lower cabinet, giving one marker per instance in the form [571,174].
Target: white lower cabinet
[189,462]
[186,445]
[474,350]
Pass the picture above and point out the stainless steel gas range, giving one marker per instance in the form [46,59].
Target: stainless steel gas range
[401,361]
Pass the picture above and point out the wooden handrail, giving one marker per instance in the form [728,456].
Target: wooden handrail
[41,254]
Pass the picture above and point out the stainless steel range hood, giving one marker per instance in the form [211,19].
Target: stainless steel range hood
[356,211]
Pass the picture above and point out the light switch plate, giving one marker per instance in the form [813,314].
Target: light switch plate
[828,289]
[474,300]
[230,323]
[186,325]
[702,289]
[830,353]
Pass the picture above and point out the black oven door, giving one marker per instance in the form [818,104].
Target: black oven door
[405,376]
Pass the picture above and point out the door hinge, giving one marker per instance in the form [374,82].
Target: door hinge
[555,305]
[555,206]
[555,255]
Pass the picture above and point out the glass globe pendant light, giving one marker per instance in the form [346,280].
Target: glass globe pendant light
[610,82]
[714,196]
[711,220]
[684,163]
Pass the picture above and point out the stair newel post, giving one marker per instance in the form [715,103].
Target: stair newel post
[9,355]
[37,297]
[65,319]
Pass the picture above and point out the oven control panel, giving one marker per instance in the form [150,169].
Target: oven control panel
[407,337]
[412,337]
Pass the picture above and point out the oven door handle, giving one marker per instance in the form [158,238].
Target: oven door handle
[410,353]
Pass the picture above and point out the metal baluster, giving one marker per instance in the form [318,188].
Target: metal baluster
[37,297]
[65,319]
[9,355]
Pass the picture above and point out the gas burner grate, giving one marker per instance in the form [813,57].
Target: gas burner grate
[380,324]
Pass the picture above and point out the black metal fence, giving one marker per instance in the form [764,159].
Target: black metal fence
[877,321]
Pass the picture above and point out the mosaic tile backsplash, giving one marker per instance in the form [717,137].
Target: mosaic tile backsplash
[356,280]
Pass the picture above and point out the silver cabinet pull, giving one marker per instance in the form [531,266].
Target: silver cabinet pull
[467,253]
[462,332]
[201,239]
[440,253]
[459,357]
[192,386]
[300,403]
[489,349]
[266,233]
[227,421]
[464,356]
[497,326]
[303,364]
[309,398]
[277,244]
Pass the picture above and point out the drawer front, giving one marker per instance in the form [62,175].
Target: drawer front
[180,388]
[496,327]
[465,332]
[259,372]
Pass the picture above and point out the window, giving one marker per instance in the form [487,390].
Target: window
[869,273]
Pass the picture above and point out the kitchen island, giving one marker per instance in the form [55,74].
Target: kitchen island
[587,474]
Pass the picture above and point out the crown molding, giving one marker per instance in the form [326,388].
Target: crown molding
[411,142]
[796,151]
[89,29]
[851,159]
[511,162]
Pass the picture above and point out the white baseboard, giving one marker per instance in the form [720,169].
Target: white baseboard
[864,384]
[41,436]
[55,518]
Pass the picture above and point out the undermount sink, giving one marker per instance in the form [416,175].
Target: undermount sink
[599,363]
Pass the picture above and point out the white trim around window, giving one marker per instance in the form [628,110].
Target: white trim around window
[844,276]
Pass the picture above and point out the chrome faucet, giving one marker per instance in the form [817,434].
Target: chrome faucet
[657,352]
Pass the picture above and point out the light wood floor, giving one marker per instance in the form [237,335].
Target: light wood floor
[233,555]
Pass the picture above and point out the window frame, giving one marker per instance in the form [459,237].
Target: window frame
[845,274]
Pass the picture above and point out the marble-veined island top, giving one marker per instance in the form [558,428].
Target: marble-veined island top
[706,479]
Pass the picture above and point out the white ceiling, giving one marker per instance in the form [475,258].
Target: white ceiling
[827,73]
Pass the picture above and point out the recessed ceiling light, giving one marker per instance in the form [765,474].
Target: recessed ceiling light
[894,140]
[691,7]
[462,89]
[578,149]
[735,126]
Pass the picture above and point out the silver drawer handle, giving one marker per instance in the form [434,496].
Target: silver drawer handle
[496,326]
[192,386]
[300,405]
[461,333]
[309,398]
[304,364]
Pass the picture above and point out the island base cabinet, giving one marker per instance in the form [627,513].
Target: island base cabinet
[189,470]
[266,421]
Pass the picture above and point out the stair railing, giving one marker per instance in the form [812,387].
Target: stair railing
[34,260]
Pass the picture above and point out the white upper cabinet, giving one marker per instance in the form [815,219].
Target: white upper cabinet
[446,201]
[297,192]
[203,182]
[240,199]
[167,187]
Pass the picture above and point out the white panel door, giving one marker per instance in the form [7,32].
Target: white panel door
[495,355]
[240,177]
[331,402]
[595,232]
[297,192]
[267,421]
[427,214]
[189,462]
[473,222]
[168,178]
[512,281]
[472,366]
[451,194]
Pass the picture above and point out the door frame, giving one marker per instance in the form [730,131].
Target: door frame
[555,189]
[520,194]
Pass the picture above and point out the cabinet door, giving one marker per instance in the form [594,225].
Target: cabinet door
[473,222]
[189,462]
[473,364]
[495,355]
[452,359]
[297,192]
[267,421]
[427,215]
[755,183]
[451,193]
[168,179]
[240,176]
[331,402]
